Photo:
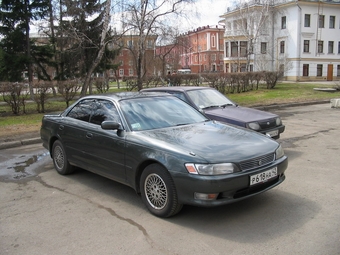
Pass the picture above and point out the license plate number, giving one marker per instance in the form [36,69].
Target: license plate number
[272,133]
[263,177]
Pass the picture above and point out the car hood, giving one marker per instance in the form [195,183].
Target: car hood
[241,114]
[212,141]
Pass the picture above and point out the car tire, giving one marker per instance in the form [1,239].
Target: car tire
[60,161]
[158,191]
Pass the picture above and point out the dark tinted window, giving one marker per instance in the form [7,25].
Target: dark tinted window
[94,111]
[82,111]
[104,110]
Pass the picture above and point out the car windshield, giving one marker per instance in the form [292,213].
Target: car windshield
[159,112]
[205,98]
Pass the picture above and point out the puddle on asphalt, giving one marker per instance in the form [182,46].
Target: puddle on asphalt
[23,169]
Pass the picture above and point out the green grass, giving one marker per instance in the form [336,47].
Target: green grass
[27,119]
[283,93]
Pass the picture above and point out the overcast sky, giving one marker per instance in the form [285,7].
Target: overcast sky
[209,11]
[203,13]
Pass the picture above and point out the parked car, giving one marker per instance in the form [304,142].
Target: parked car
[217,106]
[164,149]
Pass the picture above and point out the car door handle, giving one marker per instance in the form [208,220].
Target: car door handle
[89,135]
[61,127]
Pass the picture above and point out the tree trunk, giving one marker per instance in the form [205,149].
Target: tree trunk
[28,49]
[101,49]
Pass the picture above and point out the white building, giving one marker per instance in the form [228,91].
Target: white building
[300,38]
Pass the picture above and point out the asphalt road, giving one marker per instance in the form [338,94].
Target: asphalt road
[42,212]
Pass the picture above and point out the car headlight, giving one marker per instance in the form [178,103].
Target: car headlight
[253,126]
[212,169]
[278,121]
[279,153]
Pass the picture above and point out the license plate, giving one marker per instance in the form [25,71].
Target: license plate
[272,133]
[263,177]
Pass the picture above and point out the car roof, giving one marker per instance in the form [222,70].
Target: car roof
[126,95]
[176,88]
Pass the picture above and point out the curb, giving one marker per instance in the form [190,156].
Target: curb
[279,106]
[14,144]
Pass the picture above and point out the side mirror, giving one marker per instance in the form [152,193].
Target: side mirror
[110,125]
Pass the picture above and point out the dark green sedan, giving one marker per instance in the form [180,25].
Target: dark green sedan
[164,149]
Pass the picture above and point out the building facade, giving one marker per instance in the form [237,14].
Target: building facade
[203,50]
[127,57]
[299,38]
[200,50]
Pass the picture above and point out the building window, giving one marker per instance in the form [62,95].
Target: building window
[130,72]
[234,49]
[234,68]
[319,70]
[227,68]
[338,71]
[263,47]
[121,72]
[243,49]
[306,46]
[243,68]
[330,47]
[213,41]
[282,47]
[320,46]
[339,47]
[307,20]
[305,71]
[321,21]
[227,49]
[213,57]
[283,22]
[129,44]
[331,21]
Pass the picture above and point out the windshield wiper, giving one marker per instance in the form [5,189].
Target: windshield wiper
[211,106]
[215,106]
[225,105]
[182,124]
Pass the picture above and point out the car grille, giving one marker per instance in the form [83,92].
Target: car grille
[267,124]
[256,162]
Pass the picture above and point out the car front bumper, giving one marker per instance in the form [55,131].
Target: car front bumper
[274,132]
[229,188]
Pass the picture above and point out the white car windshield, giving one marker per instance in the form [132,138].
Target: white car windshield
[159,112]
[205,98]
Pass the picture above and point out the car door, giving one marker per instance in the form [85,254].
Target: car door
[72,131]
[105,148]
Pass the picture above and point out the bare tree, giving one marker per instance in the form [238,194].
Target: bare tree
[144,18]
[252,23]
[168,42]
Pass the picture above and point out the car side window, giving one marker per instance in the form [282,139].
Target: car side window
[104,110]
[81,111]
[180,95]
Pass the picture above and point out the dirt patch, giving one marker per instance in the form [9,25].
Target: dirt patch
[19,132]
